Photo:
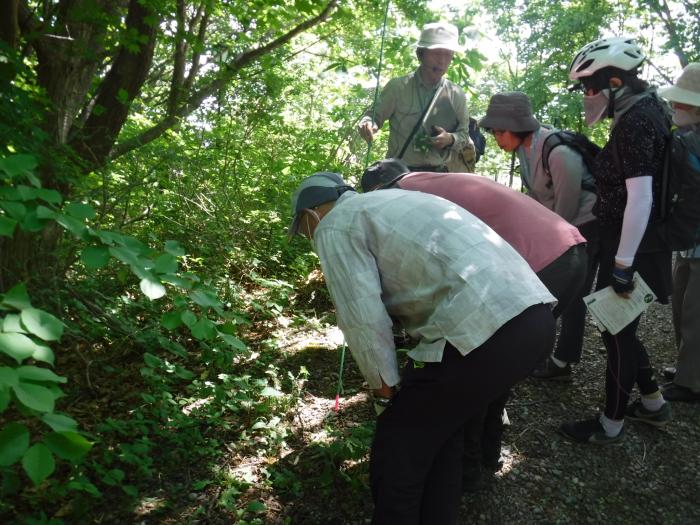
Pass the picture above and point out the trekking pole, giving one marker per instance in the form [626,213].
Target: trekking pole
[340,389]
[379,74]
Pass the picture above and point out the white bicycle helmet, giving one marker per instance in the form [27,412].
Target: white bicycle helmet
[620,52]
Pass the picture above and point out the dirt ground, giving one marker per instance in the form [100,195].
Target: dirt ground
[652,476]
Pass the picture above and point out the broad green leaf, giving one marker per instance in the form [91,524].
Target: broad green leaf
[45,213]
[8,376]
[203,329]
[152,289]
[205,299]
[15,165]
[60,423]
[42,324]
[44,354]
[189,318]
[50,196]
[126,256]
[10,194]
[110,238]
[183,373]
[232,341]
[75,226]
[12,323]
[113,477]
[36,397]
[17,297]
[166,263]
[177,281]
[34,373]
[16,210]
[174,248]
[257,507]
[4,398]
[95,257]
[80,210]
[171,320]
[31,222]
[17,346]
[14,442]
[38,463]
[70,446]
[152,360]
[172,346]
[7,226]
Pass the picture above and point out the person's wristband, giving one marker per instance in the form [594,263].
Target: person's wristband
[381,404]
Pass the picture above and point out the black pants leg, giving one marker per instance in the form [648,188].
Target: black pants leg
[573,320]
[419,437]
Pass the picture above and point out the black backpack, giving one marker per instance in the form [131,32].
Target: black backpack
[679,201]
[477,138]
[579,143]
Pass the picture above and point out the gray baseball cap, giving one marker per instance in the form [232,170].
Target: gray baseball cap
[319,188]
[510,111]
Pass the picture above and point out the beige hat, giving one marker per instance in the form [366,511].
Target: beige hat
[439,35]
[686,90]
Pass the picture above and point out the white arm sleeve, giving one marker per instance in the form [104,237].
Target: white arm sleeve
[634,222]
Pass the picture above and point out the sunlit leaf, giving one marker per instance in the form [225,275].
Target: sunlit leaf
[34,373]
[17,346]
[17,297]
[42,324]
[36,397]
[60,423]
[152,289]
[70,446]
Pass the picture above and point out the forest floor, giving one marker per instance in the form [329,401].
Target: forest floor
[651,476]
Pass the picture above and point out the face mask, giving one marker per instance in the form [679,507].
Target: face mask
[595,107]
[686,117]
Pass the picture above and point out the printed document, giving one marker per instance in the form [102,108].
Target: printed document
[612,312]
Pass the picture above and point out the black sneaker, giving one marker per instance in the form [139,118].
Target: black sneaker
[589,431]
[550,370]
[674,392]
[657,418]
[669,373]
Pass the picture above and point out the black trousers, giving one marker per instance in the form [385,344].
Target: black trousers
[573,319]
[416,456]
[628,361]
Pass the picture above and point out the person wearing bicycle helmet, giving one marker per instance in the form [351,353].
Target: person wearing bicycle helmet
[627,171]
[566,188]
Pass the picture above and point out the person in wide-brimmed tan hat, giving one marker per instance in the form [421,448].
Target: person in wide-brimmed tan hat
[684,96]
[427,114]
[568,190]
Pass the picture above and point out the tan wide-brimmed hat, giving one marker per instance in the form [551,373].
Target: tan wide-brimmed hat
[686,90]
[439,35]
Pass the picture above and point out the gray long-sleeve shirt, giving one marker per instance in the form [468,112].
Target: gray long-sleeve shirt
[562,193]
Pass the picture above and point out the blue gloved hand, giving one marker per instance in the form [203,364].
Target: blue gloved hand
[622,280]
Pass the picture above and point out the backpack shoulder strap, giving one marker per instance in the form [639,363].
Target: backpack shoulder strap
[551,142]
